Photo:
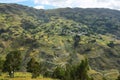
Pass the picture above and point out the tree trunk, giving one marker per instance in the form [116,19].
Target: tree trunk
[11,74]
[0,72]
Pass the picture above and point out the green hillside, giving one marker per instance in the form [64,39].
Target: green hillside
[62,36]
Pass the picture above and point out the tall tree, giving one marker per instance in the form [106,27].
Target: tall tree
[76,39]
[77,72]
[12,62]
[34,68]
[82,70]
[1,65]
[59,73]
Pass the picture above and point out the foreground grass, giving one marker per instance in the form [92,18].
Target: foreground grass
[108,75]
[22,76]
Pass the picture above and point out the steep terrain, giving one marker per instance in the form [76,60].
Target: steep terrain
[61,36]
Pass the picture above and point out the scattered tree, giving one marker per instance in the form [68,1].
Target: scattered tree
[76,39]
[111,44]
[27,24]
[12,62]
[1,66]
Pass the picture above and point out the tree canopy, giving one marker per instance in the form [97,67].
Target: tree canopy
[12,62]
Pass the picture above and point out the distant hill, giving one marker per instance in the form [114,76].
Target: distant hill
[99,20]
[61,36]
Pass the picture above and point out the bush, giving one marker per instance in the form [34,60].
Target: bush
[111,44]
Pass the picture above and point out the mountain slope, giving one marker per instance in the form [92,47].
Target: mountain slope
[61,36]
[100,21]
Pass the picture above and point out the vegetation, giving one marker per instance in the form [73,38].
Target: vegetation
[76,40]
[33,67]
[118,78]
[79,72]
[1,66]
[59,37]
[22,76]
[111,44]
[12,63]
[59,73]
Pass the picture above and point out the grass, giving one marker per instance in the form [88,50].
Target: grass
[22,76]
[107,74]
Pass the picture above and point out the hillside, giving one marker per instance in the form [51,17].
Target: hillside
[61,36]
